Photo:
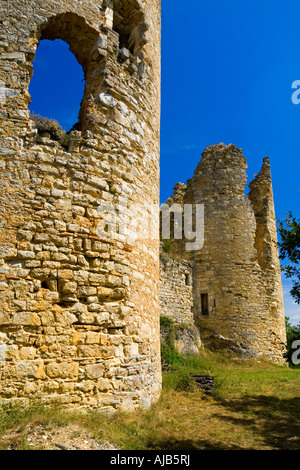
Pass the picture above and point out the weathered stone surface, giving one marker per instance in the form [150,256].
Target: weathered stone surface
[176,302]
[62,370]
[7,252]
[94,371]
[30,369]
[72,307]
[237,292]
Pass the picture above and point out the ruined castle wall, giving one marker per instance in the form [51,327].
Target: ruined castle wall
[176,302]
[79,307]
[237,286]
[176,289]
[261,197]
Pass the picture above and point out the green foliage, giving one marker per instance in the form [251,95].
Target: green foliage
[185,383]
[166,322]
[167,246]
[292,334]
[169,352]
[290,248]
[52,127]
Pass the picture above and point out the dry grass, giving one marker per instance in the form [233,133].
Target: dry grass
[255,406]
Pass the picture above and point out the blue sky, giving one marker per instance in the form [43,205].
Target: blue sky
[227,73]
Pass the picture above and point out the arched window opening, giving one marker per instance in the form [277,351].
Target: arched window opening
[56,89]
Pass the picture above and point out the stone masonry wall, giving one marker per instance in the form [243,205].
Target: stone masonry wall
[176,301]
[237,291]
[176,289]
[79,306]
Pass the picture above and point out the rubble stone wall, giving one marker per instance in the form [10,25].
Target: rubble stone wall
[176,289]
[79,307]
[237,272]
[176,302]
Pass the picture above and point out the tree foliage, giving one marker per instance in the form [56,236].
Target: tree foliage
[289,248]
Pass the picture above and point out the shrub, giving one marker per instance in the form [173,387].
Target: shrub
[169,352]
[185,383]
[51,126]
[166,322]
[167,246]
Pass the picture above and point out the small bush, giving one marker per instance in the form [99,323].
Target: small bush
[52,127]
[169,352]
[185,383]
[166,322]
[167,246]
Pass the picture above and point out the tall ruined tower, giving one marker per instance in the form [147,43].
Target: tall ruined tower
[237,291]
[79,317]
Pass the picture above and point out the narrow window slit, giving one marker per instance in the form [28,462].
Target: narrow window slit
[204,305]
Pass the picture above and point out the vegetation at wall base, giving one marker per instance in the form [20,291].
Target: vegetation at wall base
[167,246]
[169,353]
[256,405]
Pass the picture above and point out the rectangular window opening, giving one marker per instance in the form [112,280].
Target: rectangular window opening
[204,305]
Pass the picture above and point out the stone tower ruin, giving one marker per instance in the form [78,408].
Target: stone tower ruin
[79,308]
[234,291]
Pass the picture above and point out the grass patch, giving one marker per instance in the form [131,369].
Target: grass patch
[256,405]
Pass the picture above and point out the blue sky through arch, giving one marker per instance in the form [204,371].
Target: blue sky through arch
[57,85]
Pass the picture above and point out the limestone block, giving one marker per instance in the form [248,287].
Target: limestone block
[30,369]
[63,370]
[8,252]
[94,371]
[26,319]
[4,317]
